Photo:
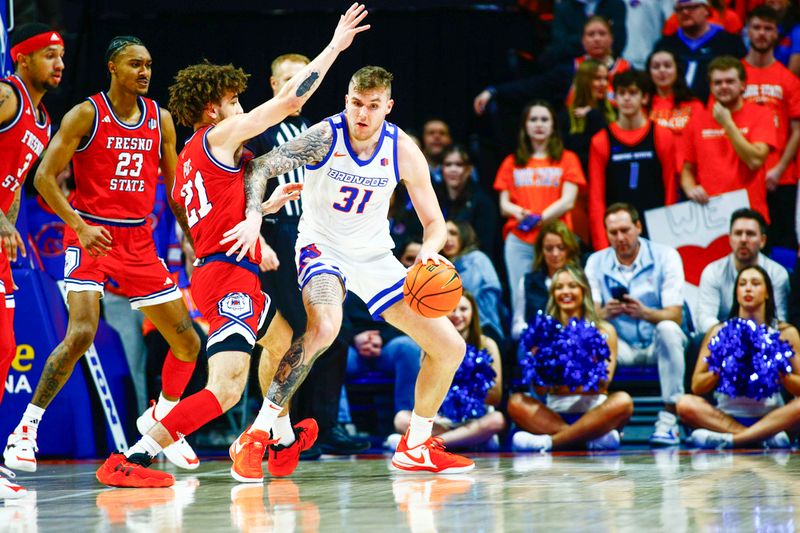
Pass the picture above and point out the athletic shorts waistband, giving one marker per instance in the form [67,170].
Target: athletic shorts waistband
[221,257]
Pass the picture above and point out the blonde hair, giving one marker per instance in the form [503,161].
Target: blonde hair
[371,77]
[588,311]
[294,58]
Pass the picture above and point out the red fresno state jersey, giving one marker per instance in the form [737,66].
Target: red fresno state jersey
[21,142]
[117,170]
[213,194]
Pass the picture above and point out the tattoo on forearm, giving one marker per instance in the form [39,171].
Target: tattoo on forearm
[324,289]
[292,371]
[307,84]
[309,147]
[13,211]
[56,372]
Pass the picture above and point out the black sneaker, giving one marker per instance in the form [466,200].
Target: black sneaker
[311,454]
[338,442]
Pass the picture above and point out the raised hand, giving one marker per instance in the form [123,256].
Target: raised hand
[280,196]
[348,27]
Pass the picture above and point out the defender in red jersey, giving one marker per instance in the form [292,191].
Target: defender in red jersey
[210,183]
[37,53]
[117,141]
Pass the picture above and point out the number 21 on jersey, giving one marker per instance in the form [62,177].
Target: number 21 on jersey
[345,205]
[193,215]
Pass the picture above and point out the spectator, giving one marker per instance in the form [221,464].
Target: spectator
[637,285]
[478,276]
[671,102]
[553,83]
[435,138]
[697,42]
[475,432]
[739,421]
[376,346]
[788,49]
[580,417]
[464,199]
[540,179]
[645,19]
[571,16]
[579,121]
[773,86]
[733,135]
[555,247]
[631,161]
[719,14]
[408,252]
[748,235]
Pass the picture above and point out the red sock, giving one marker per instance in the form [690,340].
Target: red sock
[191,414]
[8,345]
[175,375]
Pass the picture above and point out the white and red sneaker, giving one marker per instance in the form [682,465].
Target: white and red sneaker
[430,456]
[8,489]
[20,452]
[180,452]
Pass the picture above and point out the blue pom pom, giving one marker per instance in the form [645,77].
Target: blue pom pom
[575,355]
[473,380]
[748,359]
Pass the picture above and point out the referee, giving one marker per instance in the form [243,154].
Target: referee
[318,396]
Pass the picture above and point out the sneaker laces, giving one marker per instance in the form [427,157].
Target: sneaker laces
[140,459]
[19,435]
[436,443]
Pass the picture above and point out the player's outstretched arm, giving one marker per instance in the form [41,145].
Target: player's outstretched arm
[169,159]
[75,126]
[237,129]
[415,172]
[310,146]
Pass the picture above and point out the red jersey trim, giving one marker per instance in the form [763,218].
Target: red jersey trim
[223,166]
[95,125]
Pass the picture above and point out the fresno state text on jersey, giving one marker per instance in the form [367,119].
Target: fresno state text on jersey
[117,170]
[22,141]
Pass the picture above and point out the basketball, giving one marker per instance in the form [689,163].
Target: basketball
[432,290]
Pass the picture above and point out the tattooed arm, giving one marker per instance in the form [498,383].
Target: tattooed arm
[228,134]
[10,238]
[9,103]
[169,159]
[309,147]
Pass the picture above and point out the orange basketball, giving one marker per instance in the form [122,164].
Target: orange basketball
[432,290]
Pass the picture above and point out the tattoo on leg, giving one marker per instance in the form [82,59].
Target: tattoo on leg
[183,325]
[56,372]
[307,84]
[292,371]
[324,289]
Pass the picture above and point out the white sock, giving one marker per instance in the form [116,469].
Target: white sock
[419,430]
[32,416]
[266,416]
[145,445]
[164,406]
[282,430]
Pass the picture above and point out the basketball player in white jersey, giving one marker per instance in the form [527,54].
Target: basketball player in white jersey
[354,161]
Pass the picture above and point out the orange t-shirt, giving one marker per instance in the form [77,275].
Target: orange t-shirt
[777,88]
[598,159]
[537,185]
[730,22]
[718,167]
[666,115]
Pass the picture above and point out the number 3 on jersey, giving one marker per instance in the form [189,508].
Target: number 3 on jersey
[351,194]
[193,215]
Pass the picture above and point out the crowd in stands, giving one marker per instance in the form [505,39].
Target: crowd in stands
[635,105]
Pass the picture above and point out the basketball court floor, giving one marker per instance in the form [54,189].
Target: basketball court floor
[636,491]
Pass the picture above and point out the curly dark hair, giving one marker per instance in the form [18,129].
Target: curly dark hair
[198,85]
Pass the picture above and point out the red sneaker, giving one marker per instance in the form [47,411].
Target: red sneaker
[430,456]
[247,454]
[119,471]
[283,459]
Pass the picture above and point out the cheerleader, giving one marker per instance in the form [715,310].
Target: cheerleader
[738,421]
[570,419]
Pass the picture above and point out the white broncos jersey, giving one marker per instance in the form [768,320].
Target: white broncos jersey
[346,199]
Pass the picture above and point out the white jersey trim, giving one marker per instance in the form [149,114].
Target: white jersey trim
[95,125]
[138,125]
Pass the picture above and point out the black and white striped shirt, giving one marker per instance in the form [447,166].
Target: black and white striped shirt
[273,137]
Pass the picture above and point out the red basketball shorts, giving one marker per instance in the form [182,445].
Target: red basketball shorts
[229,297]
[132,263]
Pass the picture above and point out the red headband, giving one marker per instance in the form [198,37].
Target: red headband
[37,42]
